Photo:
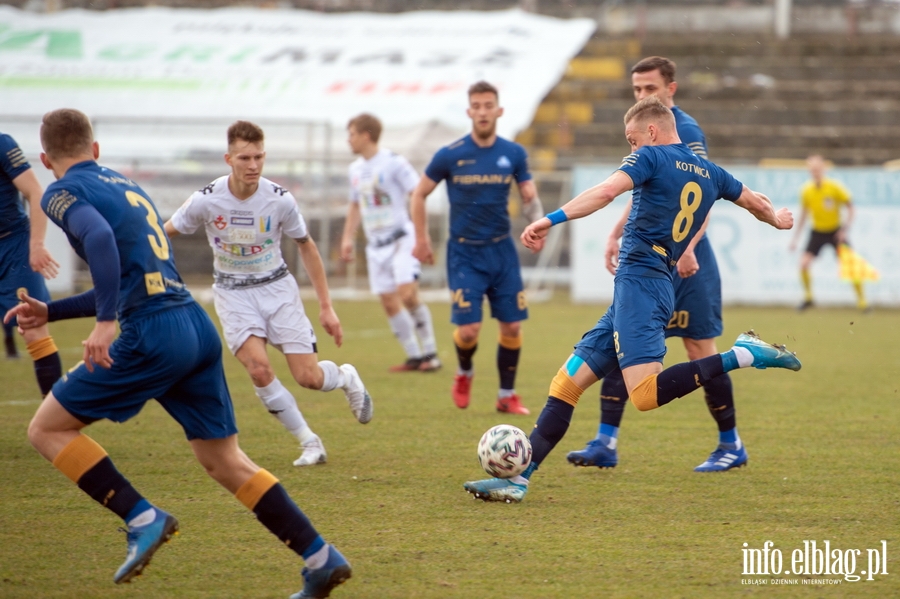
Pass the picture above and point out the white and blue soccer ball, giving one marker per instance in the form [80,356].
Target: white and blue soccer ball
[504,451]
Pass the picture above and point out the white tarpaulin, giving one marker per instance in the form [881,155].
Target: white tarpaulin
[406,68]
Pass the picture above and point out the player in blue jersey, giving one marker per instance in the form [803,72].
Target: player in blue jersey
[168,349]
[24,261]
[481,256]
[674,190]
[697,317]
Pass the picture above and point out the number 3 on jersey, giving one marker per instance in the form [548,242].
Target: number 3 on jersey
[159,243]
[684,220]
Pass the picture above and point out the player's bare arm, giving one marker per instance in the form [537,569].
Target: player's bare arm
[585,203]
[312,262]
[171,231]
[351,225]
[39,258]
[845,227]
[761,207]
[423,251]
[531,203]
[687,265]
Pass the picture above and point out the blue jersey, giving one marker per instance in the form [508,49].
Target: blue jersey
[690,132]
[148,279]
[12,164]
[674,189]
[478,181]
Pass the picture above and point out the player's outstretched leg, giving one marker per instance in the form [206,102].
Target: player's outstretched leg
[282,405]
[677,381]
[425,331]
[600,452]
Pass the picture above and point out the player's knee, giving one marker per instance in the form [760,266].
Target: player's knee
[644,394]
[262,374]
[510,329]
[467,333]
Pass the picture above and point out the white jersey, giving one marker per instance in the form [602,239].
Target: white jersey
[381,186]
[245,235]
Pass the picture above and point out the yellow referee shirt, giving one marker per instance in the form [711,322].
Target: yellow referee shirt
[823,203]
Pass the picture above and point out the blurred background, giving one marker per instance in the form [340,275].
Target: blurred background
[769,81]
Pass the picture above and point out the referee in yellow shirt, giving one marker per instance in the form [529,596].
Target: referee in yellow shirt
[822,199]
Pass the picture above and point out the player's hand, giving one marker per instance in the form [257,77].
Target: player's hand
[612,255]
[687,265]
[96,346]
[535,235]
[783,219]
[347,251]
[840,237]
[423,252]
[41,261]
[29,314]
[332,324]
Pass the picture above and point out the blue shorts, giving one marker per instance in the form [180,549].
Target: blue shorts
[16,273]
[173,355]
[632,330]
[490,269]
[698,299]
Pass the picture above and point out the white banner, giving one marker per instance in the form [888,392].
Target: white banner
[406,68]
[755,264]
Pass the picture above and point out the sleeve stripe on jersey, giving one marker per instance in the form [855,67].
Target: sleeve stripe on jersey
[630,160]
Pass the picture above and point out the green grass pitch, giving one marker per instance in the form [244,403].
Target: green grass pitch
[824,465]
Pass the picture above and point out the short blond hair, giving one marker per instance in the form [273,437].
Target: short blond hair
[651,108]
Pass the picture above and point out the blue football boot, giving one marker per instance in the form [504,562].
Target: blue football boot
[595,453]
[723,459]
[143,541]
[318,583]
[496,489]
[766,355]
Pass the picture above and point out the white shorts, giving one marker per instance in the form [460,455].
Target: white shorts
[392,265]
[272,311]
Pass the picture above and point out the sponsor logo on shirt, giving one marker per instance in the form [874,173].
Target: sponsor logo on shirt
[464,162]
[265,224]
[503,162]
[220,222]
[244,221]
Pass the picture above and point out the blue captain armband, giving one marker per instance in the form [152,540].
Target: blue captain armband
[557,216]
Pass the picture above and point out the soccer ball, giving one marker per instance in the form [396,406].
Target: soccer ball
[504,451]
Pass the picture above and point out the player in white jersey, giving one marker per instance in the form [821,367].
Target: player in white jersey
[256,297]
[380,184]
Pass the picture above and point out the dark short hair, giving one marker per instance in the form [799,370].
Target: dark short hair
[665,67]
[246,131]
[366,123]
[66,133]
[483,87]
[650,108]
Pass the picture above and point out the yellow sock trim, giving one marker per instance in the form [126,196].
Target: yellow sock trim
[42,348]
[459,342]
[252,491]
[562,387]
[511,342]
[643,396]
[860,294]
[80,455]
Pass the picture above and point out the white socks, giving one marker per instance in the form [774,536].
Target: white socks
[403,327]
[317,559]
[143,519]
[743,355]
[424,329]
[334,378]
[281,404]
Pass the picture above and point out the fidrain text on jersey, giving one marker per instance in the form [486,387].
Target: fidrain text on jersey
[482,179]
[238,249]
